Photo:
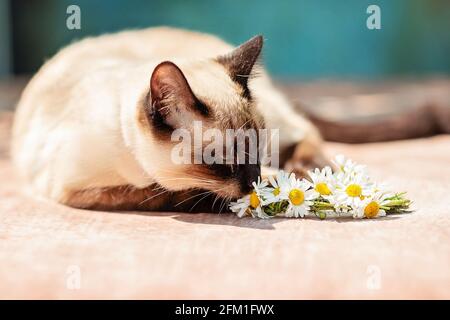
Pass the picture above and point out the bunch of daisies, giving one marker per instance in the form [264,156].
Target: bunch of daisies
[347,192]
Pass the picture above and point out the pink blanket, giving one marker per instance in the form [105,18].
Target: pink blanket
[51,251]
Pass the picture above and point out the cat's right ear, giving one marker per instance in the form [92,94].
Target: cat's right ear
[241,61]
[172,100]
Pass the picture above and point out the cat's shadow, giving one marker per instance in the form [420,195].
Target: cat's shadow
[229,219]
[224,219]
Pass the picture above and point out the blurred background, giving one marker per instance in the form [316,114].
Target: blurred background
[322,52]
[306,39]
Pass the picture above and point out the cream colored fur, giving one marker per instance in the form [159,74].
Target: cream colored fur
[76,125]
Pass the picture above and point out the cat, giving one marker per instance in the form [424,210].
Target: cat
[92,128]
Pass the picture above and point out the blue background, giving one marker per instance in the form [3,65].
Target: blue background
[304,39]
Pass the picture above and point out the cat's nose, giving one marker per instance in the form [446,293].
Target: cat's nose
[249,174]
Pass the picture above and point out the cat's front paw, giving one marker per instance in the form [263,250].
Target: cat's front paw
[306,158]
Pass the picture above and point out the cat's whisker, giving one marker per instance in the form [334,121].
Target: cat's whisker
[206,193]
[221,205]
[152,197]
[188,178]
[227,200]
[210,192]
[190,198]
[187,174]
[214,202]
[246,122]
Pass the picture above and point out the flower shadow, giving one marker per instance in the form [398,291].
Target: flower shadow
[350,219]
[228,219]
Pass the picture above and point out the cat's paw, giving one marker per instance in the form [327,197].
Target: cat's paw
[307,156]
[266,172]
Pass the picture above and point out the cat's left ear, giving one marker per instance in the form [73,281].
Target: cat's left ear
[240,61]
[172,101]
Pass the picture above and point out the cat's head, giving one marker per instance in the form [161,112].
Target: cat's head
[216,93]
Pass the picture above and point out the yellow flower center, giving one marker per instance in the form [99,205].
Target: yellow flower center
[323,189]
[254,200]
[276,191]
[371,210]
[297,197]
[353,190]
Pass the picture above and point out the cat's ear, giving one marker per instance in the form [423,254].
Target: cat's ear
[172,101]
[240,61]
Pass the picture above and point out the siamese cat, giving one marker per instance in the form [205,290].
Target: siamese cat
[92,128]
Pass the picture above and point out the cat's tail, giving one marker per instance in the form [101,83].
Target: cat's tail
[423,121]
[381,117]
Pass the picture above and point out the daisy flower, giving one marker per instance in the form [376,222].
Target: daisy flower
[352,189]
[322,182]
[242,206]
[298,197]
[260,187]
[348,192]
[251,203]
[347,167]
[371,207]
[339,203]
[383,189]
[279,184]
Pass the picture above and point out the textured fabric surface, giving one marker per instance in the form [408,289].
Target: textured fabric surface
[44,247]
